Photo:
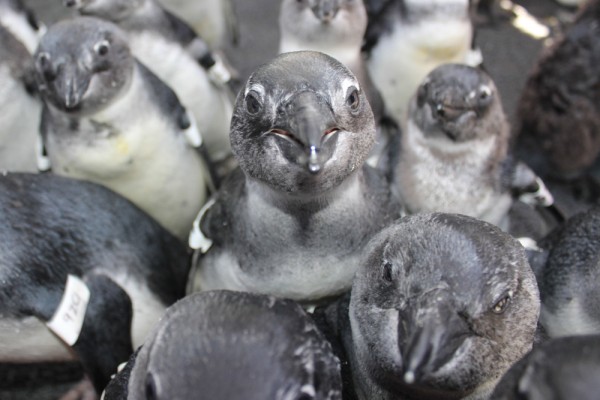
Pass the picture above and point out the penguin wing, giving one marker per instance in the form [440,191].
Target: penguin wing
[525,185]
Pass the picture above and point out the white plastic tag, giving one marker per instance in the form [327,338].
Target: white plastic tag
[43,162]
[218,73]
[192,134]
[197,239]
[67,321]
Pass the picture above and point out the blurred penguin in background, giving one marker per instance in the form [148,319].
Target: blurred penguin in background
[21,108]
[407,39]
[110,120]
[171,49]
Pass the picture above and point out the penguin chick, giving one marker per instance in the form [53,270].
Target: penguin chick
[441,306]
[57,231]
[301,132]
[109,120]
[559,109]
[20,117]
[173,51]
[570,276]
[336,28]
[560,369]
[231,345]
[454,151]
[407,39]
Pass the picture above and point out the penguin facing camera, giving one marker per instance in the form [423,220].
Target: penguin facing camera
[108,119]
[231,345]
[84,274]
[441,306]
[292,222]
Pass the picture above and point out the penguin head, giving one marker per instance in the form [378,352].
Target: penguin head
[302,124]
[233,345]
[319,22]
[112,10]
[442,304]
[458,103]
[82,64]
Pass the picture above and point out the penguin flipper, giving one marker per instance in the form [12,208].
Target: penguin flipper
[526,185]
[105,338]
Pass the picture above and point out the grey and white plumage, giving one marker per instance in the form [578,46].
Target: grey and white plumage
[293,221]
[441,306]
[559,369]
[336,28]
[21,109]
[231,345]
[558,113]
[407,39]
[172,50]
[454,155]
[568,276]
[108,119]
[54,227]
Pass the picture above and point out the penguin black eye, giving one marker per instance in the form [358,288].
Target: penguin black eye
[353,99]
[151,392]
[253,105]
[485,92]
[387,272]
[501,305]
[101,48]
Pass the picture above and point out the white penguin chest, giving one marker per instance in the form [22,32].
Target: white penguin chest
[437,175]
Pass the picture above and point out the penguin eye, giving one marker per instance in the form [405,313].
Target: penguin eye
[45,66]
[502,304]
[151,391]
[353,99]
[101,48]
[387,272]
[253,105]
[485,92]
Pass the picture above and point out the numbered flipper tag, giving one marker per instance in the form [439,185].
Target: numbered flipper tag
[192,134]
[197,239]
[43,162]
[68,319]
[219,73]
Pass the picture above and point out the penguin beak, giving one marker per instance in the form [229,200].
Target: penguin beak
[308,122]
[71,85]
[326,10]
[429,333]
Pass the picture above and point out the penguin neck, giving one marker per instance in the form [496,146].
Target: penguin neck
[307,201]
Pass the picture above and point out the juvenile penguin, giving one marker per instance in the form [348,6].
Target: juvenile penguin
[231,345]
[110,120]
[336,28]
[173,51]
[559,109]
[441,306]
[21,109]
[83,273]
[569,276]
[454,154]
[407,39]
[560,369]
[294,220]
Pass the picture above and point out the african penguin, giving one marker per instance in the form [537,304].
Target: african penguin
[441,306]
[292,222]
[407,39]
[108,119]
[231,345]
[65,243]
[172,50]
[454,154]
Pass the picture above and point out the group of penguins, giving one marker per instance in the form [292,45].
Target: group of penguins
[357,220]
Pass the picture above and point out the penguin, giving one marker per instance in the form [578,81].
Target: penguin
[441,306]
[84,274]
[560,369]
[407,39]
[454,154]
[568,271]
[173,51]
[301,131]
[21,109]
[214,20]
[231,345]
[110,120]
[336,28]
[558,113]
[21,22]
